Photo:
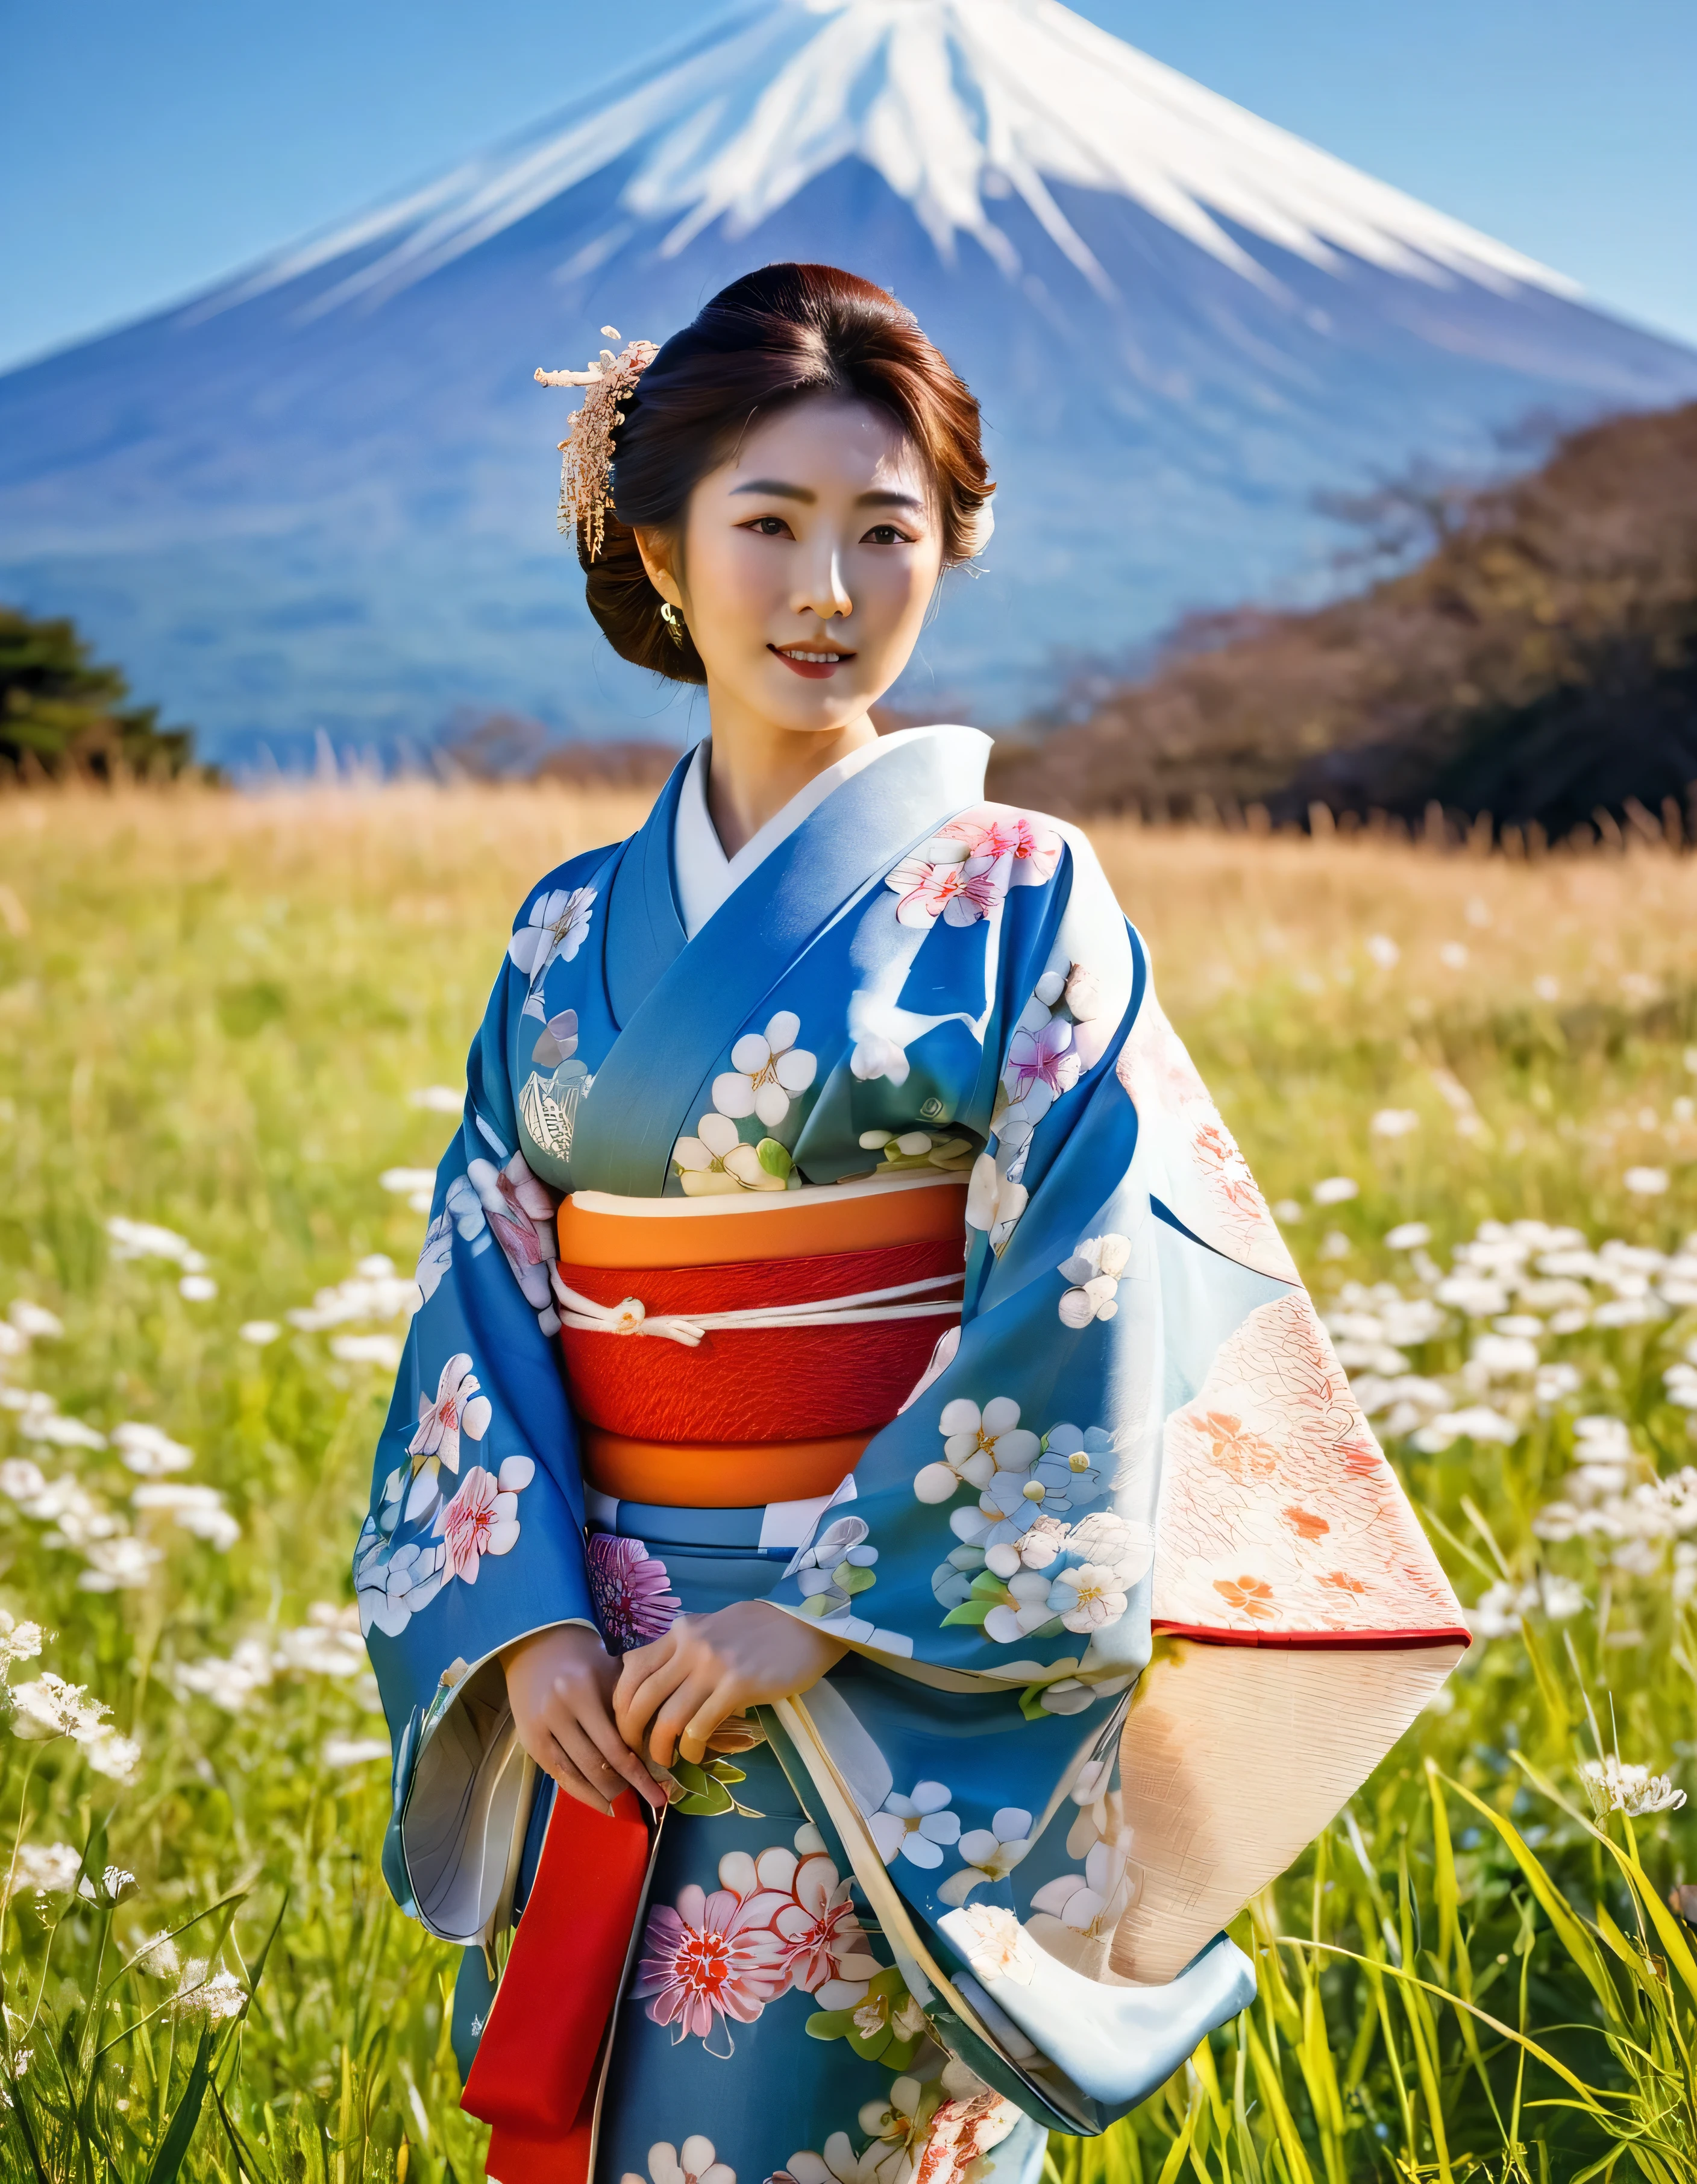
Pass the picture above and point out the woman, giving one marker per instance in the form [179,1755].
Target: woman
[951,1514]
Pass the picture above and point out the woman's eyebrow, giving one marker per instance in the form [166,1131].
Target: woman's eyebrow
[890,500]
[776,488]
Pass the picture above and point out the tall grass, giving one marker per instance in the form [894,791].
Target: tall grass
[214,1013]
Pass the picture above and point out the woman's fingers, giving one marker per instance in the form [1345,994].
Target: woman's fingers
[571,1779]
[684,1702]
[726,1699]
[613,1759]
[633,1706]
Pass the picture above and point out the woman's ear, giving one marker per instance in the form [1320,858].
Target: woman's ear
[657,549]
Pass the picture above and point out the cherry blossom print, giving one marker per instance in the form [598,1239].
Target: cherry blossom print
[519,1209]
[991,1853]
[916,1827]
[458,1409]
[708,1962]
[717,1161]
[1278,1512]
[1234,1449]
[630,1587]
[958,894]
[1204,1176]
[1045,1056]
[1032,847]
[1086,1598]
[1250,1595]
[694,2162]
[553,931]
[1094,1269]
[483,1517]
[436,1256]
[976,1444]
[767,1071]
[994,1202]
[992,1941]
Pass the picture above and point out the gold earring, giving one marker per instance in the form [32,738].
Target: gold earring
[674,622]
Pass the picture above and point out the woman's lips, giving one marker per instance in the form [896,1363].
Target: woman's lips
[810,664]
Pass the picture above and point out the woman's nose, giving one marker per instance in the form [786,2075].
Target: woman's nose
[823,591]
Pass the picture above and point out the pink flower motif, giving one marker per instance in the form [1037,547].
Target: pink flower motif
[822,1929]
[1035,850]
[629,1586]
[711,1959]
[958,894]
[458,1408]
[1042,1057]
[480,1520]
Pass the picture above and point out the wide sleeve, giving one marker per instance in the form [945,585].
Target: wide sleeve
[1139,1443]
[475,1536]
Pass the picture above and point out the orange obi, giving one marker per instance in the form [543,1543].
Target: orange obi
[724,1352]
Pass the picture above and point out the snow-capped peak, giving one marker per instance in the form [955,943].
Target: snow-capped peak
[961,106]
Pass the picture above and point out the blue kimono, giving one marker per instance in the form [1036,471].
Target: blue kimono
[1131,1601]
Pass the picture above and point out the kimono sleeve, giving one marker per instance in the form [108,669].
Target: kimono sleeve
[1138,1446]
[475,1536]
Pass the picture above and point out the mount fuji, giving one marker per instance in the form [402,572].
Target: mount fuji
[322,493]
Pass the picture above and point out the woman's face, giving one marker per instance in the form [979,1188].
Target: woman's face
[807,562]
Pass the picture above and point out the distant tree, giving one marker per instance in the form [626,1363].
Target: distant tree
[62,710]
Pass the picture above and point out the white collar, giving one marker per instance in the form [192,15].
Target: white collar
[705,875]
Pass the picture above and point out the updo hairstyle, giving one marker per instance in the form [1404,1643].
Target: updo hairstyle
[770,338]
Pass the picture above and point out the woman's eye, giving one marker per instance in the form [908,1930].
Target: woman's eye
[769,526]
[886,534]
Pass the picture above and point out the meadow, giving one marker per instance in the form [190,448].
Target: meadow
[231,1031]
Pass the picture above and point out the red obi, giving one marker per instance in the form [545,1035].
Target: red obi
[723,1352]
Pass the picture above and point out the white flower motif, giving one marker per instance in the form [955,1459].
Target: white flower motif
[1094,1269]
[1025,1609]
[767,1071]
[836,1566]
[555,929]
[1123,1544]
[976,1446]
[694,2162]
[992,1941]
[1615,1785]
[458,1408]
[483,1517]
[991,1853]
[436,1256]
[993,1202]
[716,1162]
[915,1827]
[1087,1598]
[1093,1902]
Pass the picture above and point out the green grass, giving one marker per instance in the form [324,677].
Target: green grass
[212,1015]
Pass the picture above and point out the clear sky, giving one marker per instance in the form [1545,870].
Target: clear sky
[148,150]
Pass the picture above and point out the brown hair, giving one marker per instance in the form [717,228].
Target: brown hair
[770,338]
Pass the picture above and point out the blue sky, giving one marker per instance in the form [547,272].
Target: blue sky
[148,150]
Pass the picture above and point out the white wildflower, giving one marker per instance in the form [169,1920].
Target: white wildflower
[1614,1785]
[1335,1190]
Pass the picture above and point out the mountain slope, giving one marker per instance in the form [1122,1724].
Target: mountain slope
[322,494]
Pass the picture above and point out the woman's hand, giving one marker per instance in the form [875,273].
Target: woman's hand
[678,1690]
[560,1684]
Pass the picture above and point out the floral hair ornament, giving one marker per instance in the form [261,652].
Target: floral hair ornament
[586,468]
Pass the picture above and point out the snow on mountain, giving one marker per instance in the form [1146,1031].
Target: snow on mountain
[321,494]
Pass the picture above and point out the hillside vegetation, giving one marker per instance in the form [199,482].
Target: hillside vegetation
[1539,662]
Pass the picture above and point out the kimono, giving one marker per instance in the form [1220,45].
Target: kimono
[1131,1601]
